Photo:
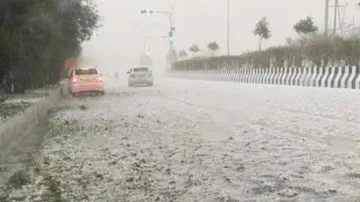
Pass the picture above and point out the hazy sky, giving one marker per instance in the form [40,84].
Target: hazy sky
[120,40]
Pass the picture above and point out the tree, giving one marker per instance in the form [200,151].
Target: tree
[182,54]
[38,36]
[262,30]
[194,49]
[306,26]
[213,47]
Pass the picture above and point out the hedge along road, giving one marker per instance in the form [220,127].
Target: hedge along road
[188,140]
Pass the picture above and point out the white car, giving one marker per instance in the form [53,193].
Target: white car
[85,80]
[140,75]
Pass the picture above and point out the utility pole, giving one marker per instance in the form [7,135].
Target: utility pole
[326,17]
[353,26]
[228,27]
[341,24]
[335,14]
[342,18]
[349,27]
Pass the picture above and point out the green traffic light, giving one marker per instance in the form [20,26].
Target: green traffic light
[171,37]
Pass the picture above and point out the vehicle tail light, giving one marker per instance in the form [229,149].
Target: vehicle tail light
[74,80]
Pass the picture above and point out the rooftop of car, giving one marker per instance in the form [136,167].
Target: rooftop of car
[87,67]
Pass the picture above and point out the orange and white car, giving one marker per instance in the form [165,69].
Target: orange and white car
[85,80]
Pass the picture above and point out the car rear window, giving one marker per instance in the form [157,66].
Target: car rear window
[141,69]
[89,71]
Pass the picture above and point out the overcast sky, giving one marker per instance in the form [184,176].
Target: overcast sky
[120,40]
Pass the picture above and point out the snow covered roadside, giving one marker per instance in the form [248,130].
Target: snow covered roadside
[19,102]
[17,135]
[152,146]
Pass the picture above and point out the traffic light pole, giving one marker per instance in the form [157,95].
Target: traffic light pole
[171,45]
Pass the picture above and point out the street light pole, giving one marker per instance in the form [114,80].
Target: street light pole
[326,17]
[143,32]
[336,7]
[228,27]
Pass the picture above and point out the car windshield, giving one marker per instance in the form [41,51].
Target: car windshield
[86,71]
[141,69]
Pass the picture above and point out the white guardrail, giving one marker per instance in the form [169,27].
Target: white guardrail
[325,77]
[21,124]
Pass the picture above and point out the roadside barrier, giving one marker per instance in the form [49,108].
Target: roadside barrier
[327,77]
[21,124]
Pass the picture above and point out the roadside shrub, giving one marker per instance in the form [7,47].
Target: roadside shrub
[315,51]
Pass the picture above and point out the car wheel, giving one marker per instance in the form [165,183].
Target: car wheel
[102,93]
[74,94]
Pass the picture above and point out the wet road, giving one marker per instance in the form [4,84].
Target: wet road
[187,140]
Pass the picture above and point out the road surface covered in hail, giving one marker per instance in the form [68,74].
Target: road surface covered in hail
[186,140]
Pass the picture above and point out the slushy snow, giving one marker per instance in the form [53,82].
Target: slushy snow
[199,141]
